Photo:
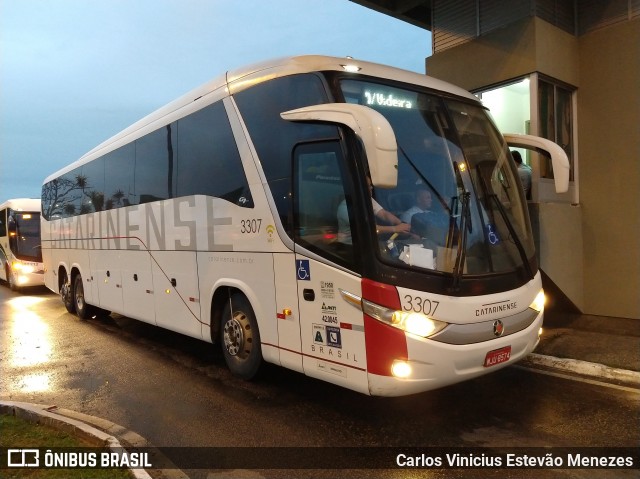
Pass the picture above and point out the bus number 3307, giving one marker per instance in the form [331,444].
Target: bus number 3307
[420,305]
[250,226]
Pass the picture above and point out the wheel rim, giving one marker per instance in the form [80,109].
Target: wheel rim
[79,296]
[64,292]
[238,336]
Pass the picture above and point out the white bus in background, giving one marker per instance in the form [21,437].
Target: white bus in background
[20,252]
[217,217]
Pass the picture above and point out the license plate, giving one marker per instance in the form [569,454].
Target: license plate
[497,356]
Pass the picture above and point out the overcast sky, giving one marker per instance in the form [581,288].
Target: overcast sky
[75,72]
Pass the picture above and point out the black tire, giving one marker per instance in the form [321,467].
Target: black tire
[66,294]
[83,310]
[11,279]
[240,338]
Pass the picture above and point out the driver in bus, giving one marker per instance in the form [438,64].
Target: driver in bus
[395,224]
[423,205]
[426,222]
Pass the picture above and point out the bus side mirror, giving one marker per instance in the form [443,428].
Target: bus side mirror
[371,127]
[559,159]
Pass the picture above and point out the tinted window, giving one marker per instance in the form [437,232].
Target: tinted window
[68,190]
[61,197]
[93,187]
[118,178]
[25,243]
[49,198]
[155,165]
[322,212]
[3,222]
[208,159]
[272,136]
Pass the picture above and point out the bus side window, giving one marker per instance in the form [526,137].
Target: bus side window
[3,224]
[70,193]
[119,188]
[318,191]
[208,159]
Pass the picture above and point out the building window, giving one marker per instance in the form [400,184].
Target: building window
[510,107]
[555,120]
[536,105]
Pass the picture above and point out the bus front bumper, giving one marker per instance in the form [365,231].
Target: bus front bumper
[443,364]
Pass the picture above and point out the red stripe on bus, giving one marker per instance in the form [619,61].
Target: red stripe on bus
[384,345]
[383,342]
[380,293]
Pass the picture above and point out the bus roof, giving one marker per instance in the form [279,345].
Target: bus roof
[242,78]
[22,204]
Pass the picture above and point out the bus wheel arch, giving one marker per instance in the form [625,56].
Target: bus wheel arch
[234,325]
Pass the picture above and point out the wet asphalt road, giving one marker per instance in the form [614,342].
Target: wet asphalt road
[176,391]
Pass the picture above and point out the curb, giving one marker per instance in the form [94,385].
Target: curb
[53,417]
[583,368]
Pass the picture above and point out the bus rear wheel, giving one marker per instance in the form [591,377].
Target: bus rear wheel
[83,310]
[66,294]
[240,338]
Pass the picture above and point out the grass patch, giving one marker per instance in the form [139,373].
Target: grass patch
[16,432]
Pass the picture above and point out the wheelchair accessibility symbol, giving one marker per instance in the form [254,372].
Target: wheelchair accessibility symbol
[303,269]
[491,235]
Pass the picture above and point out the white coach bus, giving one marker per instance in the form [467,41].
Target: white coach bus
[20,252]
[242,214]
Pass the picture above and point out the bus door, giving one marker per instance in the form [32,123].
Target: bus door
[331,329]
[287,311]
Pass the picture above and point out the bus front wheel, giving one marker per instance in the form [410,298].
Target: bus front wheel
[11,279]
[240,337]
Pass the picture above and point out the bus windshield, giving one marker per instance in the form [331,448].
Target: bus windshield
[457,185]
[24,235]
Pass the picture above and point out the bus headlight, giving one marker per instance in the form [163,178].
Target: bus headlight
[401,369]
[23,268]
[416,323]
[538,302]
[409,321]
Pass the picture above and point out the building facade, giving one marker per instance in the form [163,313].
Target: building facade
[567,70]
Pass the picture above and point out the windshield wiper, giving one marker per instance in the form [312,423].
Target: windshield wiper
[514,235]
[461,255]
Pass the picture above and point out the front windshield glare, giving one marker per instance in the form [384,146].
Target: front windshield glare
[25,235]
[457,185]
